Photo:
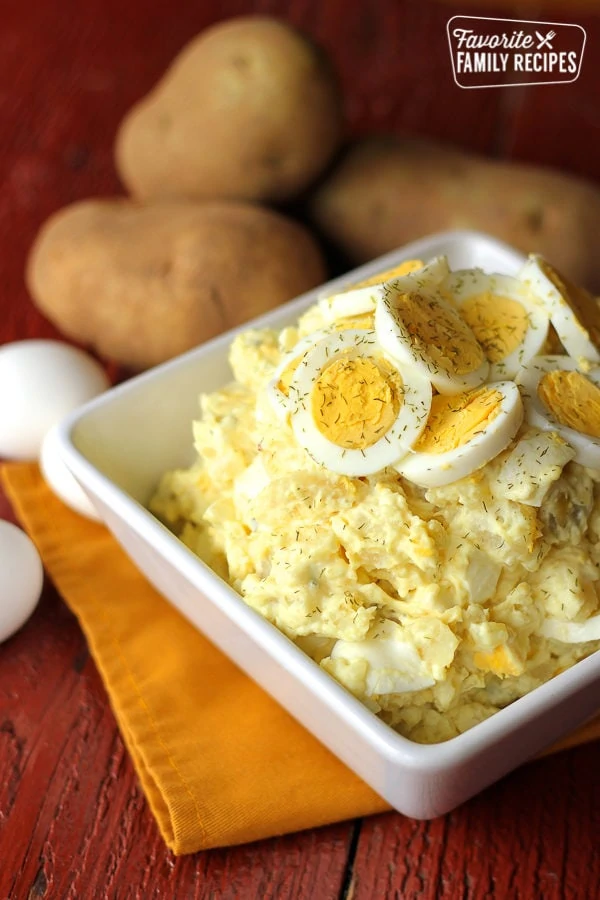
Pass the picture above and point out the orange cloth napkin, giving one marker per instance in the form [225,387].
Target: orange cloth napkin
[220,762]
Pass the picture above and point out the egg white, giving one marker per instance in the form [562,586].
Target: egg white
[281,402]
[572,632]
[571,333]
[405,430]
[462,285]
[394,665]
[349,303]
[531,467]
[431,274]
[587,448]
[438,469]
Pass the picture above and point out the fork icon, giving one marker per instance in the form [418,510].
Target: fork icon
[545,41]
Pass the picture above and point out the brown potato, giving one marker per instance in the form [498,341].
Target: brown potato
[386,192]
[248,110]
[143,284]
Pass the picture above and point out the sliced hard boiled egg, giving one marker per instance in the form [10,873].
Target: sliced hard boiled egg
[403,268]
[278,386]
[558,397]
[353,410]
[509,324]
[572,310]
[463,433]
[360,298]
[429,275]
[350,303]
[572,632]
[394,665]
[418,327]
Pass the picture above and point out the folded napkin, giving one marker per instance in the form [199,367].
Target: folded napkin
[219,761]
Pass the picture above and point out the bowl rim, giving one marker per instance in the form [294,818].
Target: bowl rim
[396,747]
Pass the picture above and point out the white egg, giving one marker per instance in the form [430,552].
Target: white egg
[59,479]
[572,632]
[571,309]
[21,579]
[419,328]
[508,322]
[394,665]
[413,400]
[40,383]
[362,299]
[492,423]
[586,446]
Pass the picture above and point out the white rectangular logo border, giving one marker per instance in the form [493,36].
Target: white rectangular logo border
[478,87]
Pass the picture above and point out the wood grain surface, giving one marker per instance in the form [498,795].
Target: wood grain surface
[73,822]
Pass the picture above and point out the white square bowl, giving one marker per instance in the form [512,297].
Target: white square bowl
[119,445]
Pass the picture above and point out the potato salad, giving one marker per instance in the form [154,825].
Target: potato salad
[406,482]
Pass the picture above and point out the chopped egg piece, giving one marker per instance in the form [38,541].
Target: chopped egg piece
[510,325]
[532,467]
[560,398]
[502,661]
[572,632]
[355,411]
[417,326]
[572,310]
[394,665]
[463,433]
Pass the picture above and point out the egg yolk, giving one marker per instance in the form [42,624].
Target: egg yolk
[499,661]
[581,302]
[364,320]
[453,421]
[499,323]
[409,265]
[572,399]
[438,333]
[356,401]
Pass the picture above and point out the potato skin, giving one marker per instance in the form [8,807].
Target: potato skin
[386,192]
[248,110]
[143,284]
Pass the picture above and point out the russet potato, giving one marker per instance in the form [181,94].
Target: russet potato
[386,192]
[249,110]
[143,284]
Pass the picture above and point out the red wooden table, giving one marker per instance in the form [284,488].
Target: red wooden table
[73,822]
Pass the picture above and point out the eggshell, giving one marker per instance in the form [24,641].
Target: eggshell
[40,383]
[59,478]
[21,579]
